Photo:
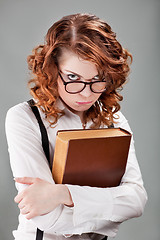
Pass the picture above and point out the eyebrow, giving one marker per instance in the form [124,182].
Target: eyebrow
[79,74]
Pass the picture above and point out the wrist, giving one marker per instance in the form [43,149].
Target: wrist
[65,196]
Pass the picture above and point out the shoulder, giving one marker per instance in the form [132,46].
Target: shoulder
[121,121]
[119,118]
[19,108]
[21,124]
[23,112]
[20,118]
[19,112]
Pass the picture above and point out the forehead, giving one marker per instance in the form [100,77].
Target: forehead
[70,61]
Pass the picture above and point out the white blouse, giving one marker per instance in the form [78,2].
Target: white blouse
[96,210]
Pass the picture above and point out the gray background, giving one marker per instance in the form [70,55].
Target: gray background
[23,25]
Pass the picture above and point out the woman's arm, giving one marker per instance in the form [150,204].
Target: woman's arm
[27,158]
[95,209]
[115,204]
[41,197]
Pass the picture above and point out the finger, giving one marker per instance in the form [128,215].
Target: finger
[25,180]
[30,215]
[18,198]
[21,205]
[24,211]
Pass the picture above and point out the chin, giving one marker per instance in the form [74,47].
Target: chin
[82,108]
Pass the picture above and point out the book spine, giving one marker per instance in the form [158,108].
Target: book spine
[59,160]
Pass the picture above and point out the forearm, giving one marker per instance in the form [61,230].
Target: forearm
[31,200]
[51,221]
[96,210]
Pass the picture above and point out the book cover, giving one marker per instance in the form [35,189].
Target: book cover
[89,157]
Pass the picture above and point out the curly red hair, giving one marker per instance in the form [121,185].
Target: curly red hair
[93,40]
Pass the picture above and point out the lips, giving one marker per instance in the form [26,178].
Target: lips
[84,103]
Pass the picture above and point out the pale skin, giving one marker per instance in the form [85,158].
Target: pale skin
[48,196]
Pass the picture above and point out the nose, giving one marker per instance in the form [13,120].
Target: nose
[86,92]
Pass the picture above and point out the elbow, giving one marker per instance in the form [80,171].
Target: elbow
[141,201]
[137,201]
[135,204]
[130,203]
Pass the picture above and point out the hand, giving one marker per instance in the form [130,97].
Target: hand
[41,197]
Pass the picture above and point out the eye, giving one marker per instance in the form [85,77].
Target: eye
[96,78]
[73,77]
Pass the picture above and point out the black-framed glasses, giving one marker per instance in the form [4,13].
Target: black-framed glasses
[77,86]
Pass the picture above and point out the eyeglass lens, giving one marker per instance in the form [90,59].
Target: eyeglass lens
[75,87]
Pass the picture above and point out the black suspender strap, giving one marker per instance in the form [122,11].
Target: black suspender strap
[105,238]
[111,126]
[44,136]
[39,234]
[45,145]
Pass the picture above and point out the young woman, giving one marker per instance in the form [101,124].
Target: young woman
[77,75]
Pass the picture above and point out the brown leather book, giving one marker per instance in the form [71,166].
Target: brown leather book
[91,157]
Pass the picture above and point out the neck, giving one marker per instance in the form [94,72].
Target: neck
[79,113]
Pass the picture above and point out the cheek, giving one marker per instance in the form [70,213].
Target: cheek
[66,97]
[61,89]
[97,96]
